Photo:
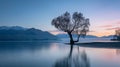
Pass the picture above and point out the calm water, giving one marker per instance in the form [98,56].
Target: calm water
[55,54]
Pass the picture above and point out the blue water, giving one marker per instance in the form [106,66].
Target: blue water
[56,54]
[87,40]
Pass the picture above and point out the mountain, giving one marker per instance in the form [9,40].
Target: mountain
[12,27]
[66,36]
[110,36]
[17,33]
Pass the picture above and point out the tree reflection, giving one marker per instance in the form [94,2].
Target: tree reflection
[79,59]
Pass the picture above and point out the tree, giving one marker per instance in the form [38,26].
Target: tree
[75,24]
[117,34]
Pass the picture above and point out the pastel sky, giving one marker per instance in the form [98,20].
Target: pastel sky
[104,15]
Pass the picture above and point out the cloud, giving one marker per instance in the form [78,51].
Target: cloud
[92,31]
[55,32]
[105,26]
[118,22]
[115,28]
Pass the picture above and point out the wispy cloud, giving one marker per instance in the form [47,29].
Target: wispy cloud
[55,32]
[92,31]
[104,26]
[115,28]
[118,22]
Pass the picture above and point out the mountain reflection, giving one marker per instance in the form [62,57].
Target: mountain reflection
[80,59]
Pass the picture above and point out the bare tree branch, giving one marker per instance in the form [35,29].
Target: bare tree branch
[77,24]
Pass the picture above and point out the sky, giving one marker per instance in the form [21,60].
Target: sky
[104,15]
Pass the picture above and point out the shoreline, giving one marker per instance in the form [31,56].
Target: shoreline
[100,44]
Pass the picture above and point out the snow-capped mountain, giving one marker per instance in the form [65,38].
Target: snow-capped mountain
[19,33]
[12,27]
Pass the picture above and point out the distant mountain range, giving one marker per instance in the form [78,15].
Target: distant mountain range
[88,36]
[17,33]
[110,36]
[12,28]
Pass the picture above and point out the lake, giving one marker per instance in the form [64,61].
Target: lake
[56,54]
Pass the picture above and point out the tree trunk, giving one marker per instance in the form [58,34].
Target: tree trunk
[71,38]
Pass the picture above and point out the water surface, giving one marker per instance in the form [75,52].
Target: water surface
[55,54]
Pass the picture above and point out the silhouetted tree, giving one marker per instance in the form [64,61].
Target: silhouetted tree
[117,34]
[75,24]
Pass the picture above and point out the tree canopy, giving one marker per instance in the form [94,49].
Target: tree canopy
[75,23]
[117,34]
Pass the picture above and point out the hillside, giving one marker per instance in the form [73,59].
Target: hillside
[17,33]
[66,36]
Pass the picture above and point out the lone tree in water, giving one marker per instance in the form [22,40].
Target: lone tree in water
[75,24]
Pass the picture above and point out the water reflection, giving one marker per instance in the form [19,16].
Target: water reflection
[26,54]
[40,54]
[79,59]
[118,51]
